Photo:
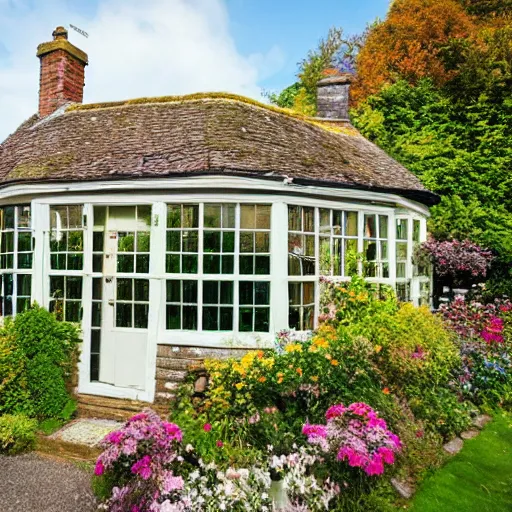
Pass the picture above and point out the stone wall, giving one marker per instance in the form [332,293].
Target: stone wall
[174,362]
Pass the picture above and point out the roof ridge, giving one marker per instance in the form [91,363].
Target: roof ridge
[216,96]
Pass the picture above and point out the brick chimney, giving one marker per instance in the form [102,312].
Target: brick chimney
[62,73]
[333,97]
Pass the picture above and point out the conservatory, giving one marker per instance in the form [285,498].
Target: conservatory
[204,221]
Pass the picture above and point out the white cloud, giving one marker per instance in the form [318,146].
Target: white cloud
[136,48]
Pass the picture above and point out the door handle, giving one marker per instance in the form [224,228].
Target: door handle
[111,302]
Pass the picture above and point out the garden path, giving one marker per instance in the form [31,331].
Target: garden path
[39,484]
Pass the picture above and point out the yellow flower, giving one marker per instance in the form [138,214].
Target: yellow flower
[313,348]
[239,385]
[328,357]
[334,362]
[378,348]
[280,380]
[293,347]
[314,378]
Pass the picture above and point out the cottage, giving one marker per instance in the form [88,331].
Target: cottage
[180,226]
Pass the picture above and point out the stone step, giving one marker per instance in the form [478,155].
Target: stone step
[78,440]
[91,406]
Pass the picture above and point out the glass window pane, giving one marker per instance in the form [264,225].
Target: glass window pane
[294,294]
[100,214]
[190,292]
[144,217]
[325,221]
[370,226]
[262,216]
[173,291]
[308,293]
[262,242]
[294,218]
[212,215]
[97,241]
[401,229]
[123,315]
[172,263]
[228,263]
[24,217]
[245,319]
[416,230]
[226,292]
[190,241]
[350,223]
[189,264]
[97,286]
[262,265]
[75,216]
[226,319]
[210,292]
[173,317]
[143,241]
[211,264]
[261,319]
[24,241]
[190,216]
[246,241]
[228,241]
[73,287]
[190,317]
[261,293]
[309,219]
[212,241]
[142,263]
[228,215]
[141,314]
[173,216]
[126,242]
[246,264]
[124,289]
[125,263]
[73,310]
[141,287]
[246,293]
[24,285]
[247,216]
[383,226]
[210,318]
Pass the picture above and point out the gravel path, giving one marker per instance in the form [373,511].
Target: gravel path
[31,483]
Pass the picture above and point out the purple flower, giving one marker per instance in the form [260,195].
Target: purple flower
[143,467]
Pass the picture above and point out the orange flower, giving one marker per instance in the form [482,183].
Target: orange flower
[260,354]
[386,391]
[280,380]
[378,348]
[314,378]
[328,357]
[299,371]
[334,362]
[262,379]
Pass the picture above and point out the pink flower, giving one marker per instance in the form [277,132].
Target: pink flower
[114,437]
[143,467]
[99,469]
[138,417]
[387,455]
[375,467]
[314,430]
[172,483]
[207,427]
[335,411]
[220,444]
[360,408]
[173,431]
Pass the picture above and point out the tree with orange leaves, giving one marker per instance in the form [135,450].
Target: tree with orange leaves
[413,42]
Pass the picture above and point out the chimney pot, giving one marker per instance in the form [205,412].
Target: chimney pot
[62,73]
[333,97]
[60,33]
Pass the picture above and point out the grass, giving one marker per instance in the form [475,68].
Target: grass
[479,478]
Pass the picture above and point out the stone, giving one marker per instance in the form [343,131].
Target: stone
[481,421]
[201,384]
[405,490]
[469,434]
[454,446]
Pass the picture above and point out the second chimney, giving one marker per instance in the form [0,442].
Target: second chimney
[62,73]
[333,97]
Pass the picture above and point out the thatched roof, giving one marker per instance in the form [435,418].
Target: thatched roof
[198,135]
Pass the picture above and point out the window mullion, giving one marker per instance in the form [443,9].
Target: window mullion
[317,270]
[200,274]
[236,271]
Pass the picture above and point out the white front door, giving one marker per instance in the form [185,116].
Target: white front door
[125,301]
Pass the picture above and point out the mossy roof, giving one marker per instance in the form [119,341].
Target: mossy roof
[199,134]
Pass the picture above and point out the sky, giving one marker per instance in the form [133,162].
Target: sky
[164,47]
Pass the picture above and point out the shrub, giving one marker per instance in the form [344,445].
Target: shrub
[17,433]
[36,360]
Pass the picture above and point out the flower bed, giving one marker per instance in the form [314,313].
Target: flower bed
[402,380]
